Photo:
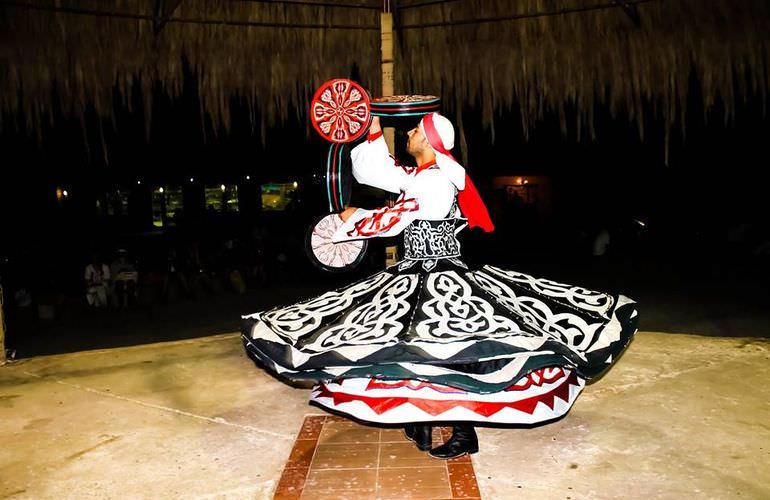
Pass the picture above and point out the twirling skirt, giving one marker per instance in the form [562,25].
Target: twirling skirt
[419,343]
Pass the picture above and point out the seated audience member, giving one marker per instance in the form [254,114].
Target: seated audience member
[97,277]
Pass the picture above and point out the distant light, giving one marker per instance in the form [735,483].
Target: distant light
[65,193]
[518,180]
[640,222]
[526,181]
[222,187]
[295,184]
[160,189]
[138,182]
[248,177]
[192,179]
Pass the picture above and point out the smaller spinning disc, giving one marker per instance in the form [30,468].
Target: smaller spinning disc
[329,256]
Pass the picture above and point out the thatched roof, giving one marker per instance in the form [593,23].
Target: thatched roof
[596,54]
[76,59]
[532,55]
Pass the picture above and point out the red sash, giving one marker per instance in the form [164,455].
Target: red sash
[471,204]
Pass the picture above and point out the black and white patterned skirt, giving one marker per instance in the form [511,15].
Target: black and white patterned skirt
[431,340]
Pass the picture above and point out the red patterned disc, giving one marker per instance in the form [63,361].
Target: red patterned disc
[340,110]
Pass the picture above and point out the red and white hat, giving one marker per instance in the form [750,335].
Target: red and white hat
[440,134]
[441,137]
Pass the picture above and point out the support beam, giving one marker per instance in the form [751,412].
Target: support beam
[386,57]
[11,4]
[386,54]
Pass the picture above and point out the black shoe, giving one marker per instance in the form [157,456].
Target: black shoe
[463,441]
[421,435]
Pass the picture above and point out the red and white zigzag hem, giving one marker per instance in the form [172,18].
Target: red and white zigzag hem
[539,396]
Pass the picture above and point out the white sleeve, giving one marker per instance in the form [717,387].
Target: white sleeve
[381,222]
[430,196]
[373,166]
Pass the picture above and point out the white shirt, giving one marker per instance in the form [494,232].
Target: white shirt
[601,242]
[425,193]
[97,275]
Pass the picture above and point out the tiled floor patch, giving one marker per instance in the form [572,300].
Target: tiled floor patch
[334,458]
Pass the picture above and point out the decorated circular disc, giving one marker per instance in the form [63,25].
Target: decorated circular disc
[340,110]
[333,257]
[405,105]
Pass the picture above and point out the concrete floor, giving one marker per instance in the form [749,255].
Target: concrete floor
[679,416]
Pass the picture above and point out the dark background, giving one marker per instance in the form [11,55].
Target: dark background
[696,264]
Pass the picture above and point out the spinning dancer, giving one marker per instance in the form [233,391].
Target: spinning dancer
[430,340]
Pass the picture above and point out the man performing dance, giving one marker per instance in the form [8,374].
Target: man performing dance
[429,340]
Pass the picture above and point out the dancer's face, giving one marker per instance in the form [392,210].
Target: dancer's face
[417,143]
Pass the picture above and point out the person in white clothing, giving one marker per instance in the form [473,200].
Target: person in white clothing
[431,340]
[97,278]
[427,192]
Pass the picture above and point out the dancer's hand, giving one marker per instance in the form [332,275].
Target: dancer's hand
[347,213]
[375,128]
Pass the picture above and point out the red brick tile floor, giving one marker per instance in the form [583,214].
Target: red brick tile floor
[334,458]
